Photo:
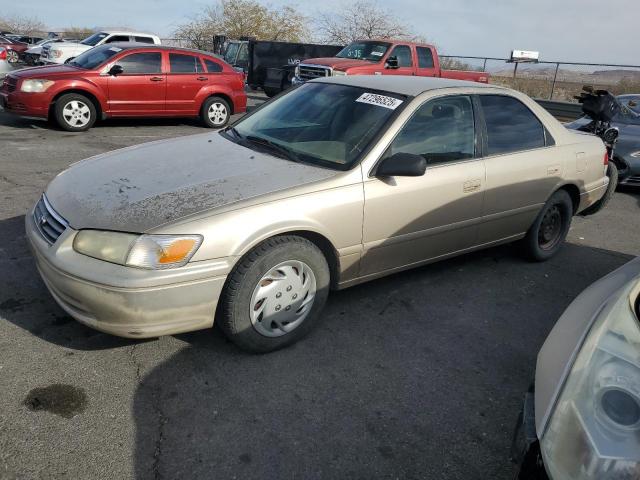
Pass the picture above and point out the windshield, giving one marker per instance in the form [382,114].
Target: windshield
[371,51]
[630,101]
[94,39]
[231,53]
[95,57]
[324,124]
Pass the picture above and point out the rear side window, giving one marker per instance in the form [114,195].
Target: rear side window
[184,63]
[403,54]
[212,67]
[143,39]
[425,57]
[117,38]
[511,126]
[141,63]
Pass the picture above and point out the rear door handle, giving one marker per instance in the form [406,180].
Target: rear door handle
[203,79]
[156,79]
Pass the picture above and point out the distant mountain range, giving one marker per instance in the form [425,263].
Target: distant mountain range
[547,72]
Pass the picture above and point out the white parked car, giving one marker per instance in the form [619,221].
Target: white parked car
[66,51]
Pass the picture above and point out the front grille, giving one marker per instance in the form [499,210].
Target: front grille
[9,83]
[49,223]
[309,72]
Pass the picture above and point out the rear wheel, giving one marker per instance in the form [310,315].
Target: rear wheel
[216,112]
[74,112]
[548,232]
[275,294]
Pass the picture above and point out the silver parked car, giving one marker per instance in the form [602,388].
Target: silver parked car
[335,183]
[582,419]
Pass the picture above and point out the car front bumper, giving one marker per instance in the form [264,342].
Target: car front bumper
[124,301]
[25,104]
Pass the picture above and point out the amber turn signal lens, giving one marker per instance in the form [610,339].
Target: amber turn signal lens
[176,251]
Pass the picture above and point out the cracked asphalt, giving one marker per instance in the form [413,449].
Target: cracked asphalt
[418,375]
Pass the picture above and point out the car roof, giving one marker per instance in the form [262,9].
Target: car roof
[124,32]
[133,45]
[403,85]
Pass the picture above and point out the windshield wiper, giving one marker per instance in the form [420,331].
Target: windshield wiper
[273,146]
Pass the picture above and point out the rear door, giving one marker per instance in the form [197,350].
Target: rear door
[141,88]
[406,64]
[185,78]
[426,66]
[522,166]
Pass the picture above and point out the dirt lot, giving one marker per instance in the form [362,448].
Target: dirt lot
[419,375]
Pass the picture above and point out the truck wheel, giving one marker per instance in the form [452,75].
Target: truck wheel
[215,112]
[74,112]
[275,294]
[12,56]
[612,173]
[549,230]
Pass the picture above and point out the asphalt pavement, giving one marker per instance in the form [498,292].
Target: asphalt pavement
[417,375]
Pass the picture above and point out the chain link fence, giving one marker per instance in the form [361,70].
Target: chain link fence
[559,81]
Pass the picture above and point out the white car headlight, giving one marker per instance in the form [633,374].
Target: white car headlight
[35,85]
[594,431]
[636,154]
[142,251]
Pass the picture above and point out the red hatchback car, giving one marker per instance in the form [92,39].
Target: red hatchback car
[127,80]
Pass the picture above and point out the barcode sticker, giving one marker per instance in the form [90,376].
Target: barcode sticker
[379,100]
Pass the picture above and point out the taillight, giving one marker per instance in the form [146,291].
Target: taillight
[3,54]
[606,158]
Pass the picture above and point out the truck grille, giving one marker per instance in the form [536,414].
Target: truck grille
[309,72]
[49,223]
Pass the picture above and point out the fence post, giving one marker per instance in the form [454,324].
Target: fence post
[553,85]
[515,70]
[484,65]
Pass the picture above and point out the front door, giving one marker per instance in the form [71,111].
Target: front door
[408,220]
[140,89]
[403,55]
[185,78]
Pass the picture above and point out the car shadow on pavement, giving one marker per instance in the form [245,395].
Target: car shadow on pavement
[417,375]
[26,303]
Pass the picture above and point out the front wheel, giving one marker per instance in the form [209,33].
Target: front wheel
[548,232]
[12,56]
[216,112]
[74,112]
[275,294]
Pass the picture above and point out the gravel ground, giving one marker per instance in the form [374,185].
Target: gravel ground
[418,375]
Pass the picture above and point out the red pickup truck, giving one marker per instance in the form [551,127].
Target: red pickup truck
[382,57]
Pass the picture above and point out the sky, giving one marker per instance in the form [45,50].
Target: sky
[561,30]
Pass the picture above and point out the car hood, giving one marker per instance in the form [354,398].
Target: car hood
[47,70]
[139,188]
[337,63]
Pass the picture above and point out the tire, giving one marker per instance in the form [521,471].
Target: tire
[612,173]
[271,92]
[74,112]
[549,230]
[259,318]
[13,56]
[215,112]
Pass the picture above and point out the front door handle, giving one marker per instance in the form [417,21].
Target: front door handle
[472,185]
[203,79]
[156,79]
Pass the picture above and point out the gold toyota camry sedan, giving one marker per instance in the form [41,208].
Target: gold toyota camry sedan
[337,182]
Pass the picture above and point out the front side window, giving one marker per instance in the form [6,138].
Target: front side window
[425,57]
[141,63]
[403,54]
[180,63]
[231,53]
[117,38]
[371,51]
[325,124]
[442,130]
[511,126]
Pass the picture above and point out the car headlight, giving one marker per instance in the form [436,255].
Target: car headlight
[142,251]
[55,53]
[35,85]
[594,431]
[339,73]
[636,154]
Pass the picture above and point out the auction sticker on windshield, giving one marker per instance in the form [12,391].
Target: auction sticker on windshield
[379,100]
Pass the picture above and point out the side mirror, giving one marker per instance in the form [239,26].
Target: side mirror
[116,70]
[402,165]
[392,62]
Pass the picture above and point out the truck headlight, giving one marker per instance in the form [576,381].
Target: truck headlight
[594,430]
[35,85]
[55,53]
[142,251]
